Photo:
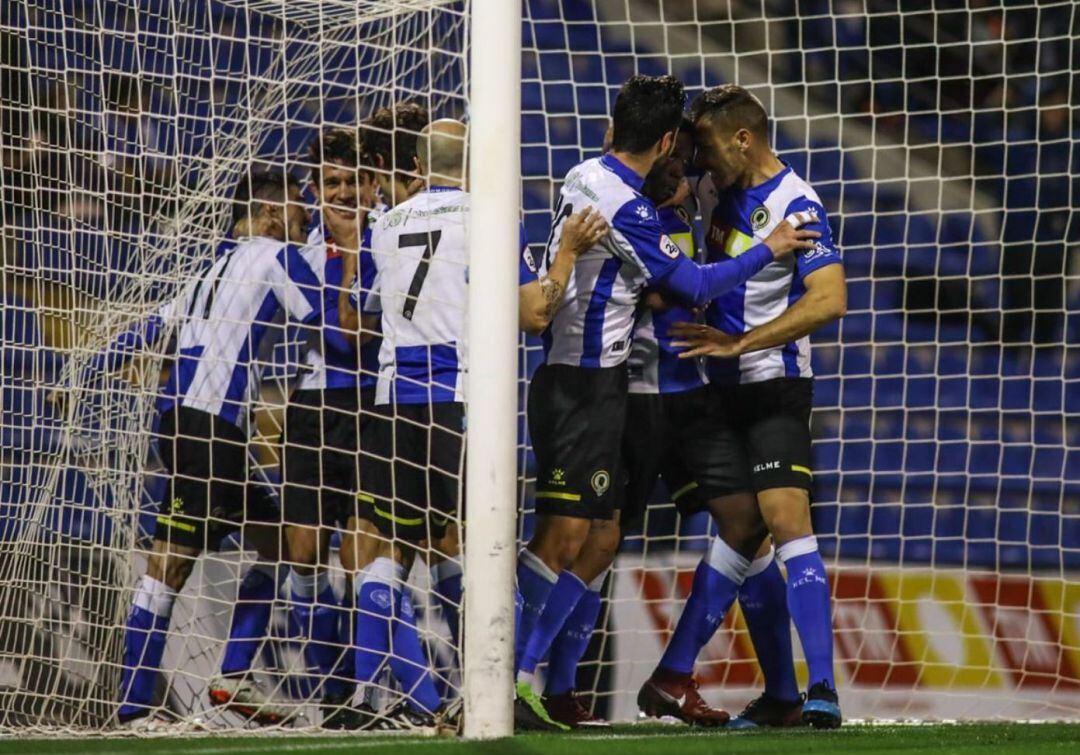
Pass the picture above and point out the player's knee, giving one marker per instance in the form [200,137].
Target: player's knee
[172,568]
[560,543]
[786,513]
[604,537]
[303,546]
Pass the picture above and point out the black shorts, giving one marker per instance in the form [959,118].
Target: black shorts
[771,419]
[576,418]
[681,438]
[208,493]
[320,459]
[413,471]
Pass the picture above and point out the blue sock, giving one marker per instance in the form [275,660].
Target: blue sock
[763,598]
[346,630]
[810,605]
[446,581]
[250,619]
[716,584]
[374,607]
[534,582]
[572,641]
[560,604]
[316,612]
[144,645]
[408,661]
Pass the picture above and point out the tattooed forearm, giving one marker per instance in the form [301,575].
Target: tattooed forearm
[553,293]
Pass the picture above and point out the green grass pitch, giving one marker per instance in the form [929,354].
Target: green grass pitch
[620,740]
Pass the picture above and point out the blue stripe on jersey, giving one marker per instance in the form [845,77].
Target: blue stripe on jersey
[592,336]
[369,352]
[241,374]
[180,377]
[425,374]
[726,314]
[673,374]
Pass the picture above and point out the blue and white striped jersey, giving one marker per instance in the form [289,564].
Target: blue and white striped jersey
[593,324]
[222,318]
[324,365]
[654,363]
[741,219]
[219,320]
[421,288]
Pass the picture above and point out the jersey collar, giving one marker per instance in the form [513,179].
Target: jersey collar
[619,168]
[767,187]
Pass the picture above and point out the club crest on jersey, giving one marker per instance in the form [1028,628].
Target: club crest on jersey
[759,218]
[600,481]
[669,247]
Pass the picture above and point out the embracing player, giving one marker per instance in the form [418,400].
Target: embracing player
[220,320]
[577,399]
[761,381]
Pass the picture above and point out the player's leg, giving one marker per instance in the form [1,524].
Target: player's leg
[763,600]
[568,621]
[707,470]
[311,493]
[576,420]
[444,561]
[779,441]
[186,443]
[234,687]
[396,484]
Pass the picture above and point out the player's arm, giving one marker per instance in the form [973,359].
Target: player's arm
[665,266]
[538,298]
[700,284]
[358,327]
[299,292]
[132,340]
[825,300]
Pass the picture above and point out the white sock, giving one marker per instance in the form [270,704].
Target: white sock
[798,547]
[155,597]
[308,585]
[726,561]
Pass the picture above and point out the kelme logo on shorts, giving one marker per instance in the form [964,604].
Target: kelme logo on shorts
[558,477]
[759,218]
[600,481]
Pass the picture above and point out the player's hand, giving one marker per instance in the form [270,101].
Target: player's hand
[787,238]
[58,400]
[682,193]
[703,341]
[344,224]
[655,301]
[582,231]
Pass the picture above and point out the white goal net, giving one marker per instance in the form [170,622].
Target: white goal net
[943,143]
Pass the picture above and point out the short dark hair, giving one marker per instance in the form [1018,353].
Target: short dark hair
[391,133]
[737,104]
[336,145]
[263,186]
[647,108]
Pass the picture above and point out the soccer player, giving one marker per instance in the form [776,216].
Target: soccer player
[322,422]
[577,399]
[220,318]
[760,372]
[414,447]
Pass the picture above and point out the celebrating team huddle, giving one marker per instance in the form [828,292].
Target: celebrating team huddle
[698,329]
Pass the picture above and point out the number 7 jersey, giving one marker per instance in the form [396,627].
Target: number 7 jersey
[421,289]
